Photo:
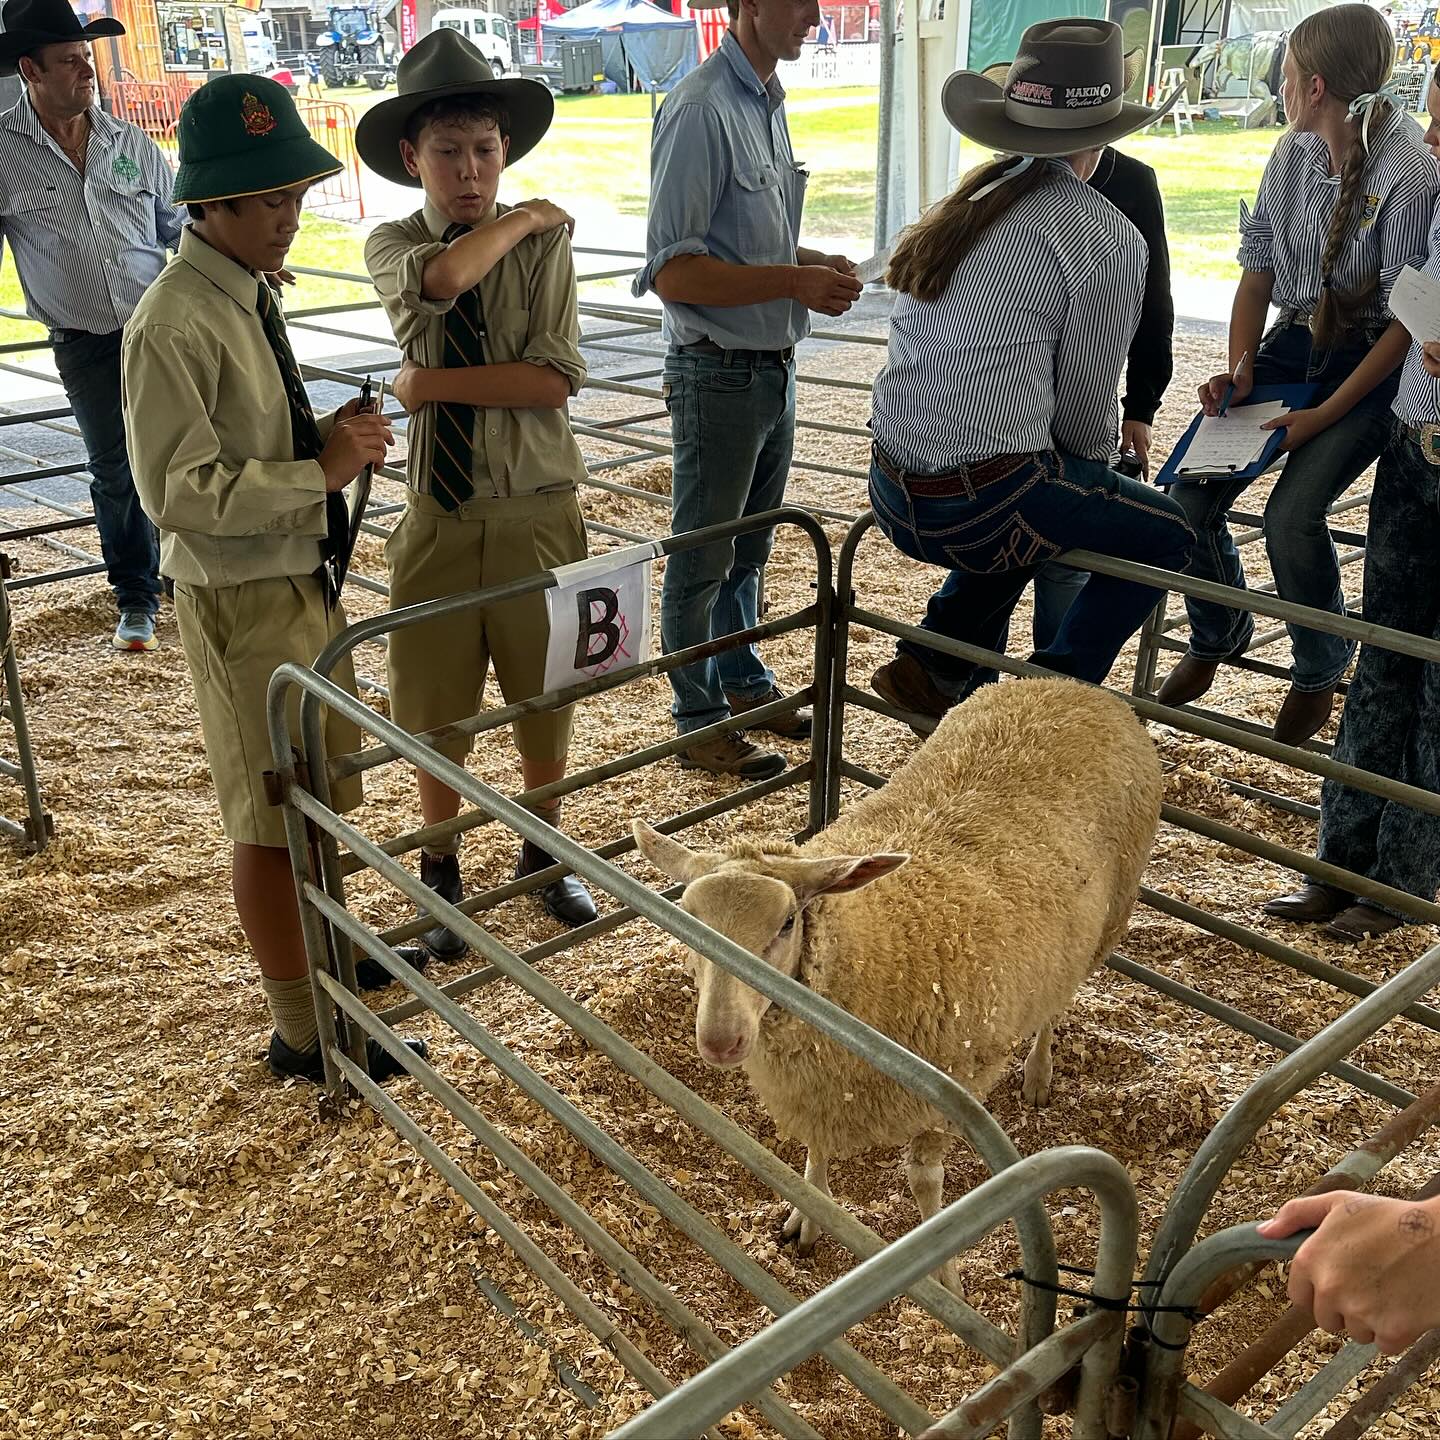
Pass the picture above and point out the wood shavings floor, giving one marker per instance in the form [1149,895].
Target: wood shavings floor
[191,1251]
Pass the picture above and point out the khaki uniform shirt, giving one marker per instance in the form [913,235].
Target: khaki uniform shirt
[207,426]
[531,314]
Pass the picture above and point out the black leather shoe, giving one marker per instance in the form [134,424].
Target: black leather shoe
[442,874]
[288,1064]
[566,900]
[1311,904]
[372,975]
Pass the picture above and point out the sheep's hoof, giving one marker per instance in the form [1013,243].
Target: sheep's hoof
[808,1231]
[1036,1091]
[949,1276]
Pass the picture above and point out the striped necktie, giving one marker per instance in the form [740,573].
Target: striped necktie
[305,435]
[452,456]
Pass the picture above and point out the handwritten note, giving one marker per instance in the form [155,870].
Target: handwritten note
[1415,303]
[1233,441]
[868,271]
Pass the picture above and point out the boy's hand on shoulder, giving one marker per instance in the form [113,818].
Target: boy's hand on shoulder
[544,215]
[355,442]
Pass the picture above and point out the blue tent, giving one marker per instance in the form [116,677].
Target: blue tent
[634,35]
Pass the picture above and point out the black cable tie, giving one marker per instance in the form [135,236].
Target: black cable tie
[1102,1302]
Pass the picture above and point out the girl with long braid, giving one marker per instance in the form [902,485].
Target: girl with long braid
[1344,205]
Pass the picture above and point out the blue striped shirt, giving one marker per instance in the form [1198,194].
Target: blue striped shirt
[1023,351]
[724,182]
[1417,401]
[1286,231]
[86,248]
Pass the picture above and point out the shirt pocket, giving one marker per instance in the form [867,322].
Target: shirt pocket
[507,333]
[132,209]
[34,203]
[760,223]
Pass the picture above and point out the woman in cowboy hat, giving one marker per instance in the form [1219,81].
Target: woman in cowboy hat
[1344,205]
[995,417]
[481,297]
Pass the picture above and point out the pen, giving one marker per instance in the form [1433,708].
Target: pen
[1230,388]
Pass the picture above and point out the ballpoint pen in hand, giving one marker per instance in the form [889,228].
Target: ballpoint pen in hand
[1230,388]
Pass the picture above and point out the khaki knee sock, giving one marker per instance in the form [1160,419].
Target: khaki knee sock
[292,1009]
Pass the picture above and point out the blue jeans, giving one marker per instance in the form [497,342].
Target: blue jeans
[89,369]
[1057,587]
[995,540]
[1297,535]
[732,419]
[1391,723]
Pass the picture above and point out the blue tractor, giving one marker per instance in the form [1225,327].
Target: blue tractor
[351,50]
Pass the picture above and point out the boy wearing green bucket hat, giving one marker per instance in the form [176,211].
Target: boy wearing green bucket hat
[243,480]
[481,297]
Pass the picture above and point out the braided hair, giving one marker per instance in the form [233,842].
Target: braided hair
[1351,48]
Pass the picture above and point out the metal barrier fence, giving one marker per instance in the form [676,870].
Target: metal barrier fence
[333,125]
[1115,1383]
[36,828]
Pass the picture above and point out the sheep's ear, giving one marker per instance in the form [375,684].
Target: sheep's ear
[841,874]
[670,856]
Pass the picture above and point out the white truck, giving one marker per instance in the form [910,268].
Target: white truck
[488,32]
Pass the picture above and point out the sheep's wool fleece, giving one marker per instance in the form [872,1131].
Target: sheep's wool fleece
[1028,815]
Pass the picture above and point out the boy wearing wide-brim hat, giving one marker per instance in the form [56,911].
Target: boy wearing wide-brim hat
[243,481]
[481,297]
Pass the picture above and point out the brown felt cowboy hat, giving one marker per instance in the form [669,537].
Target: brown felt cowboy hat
[446,64]
[1065,91]
[30,25]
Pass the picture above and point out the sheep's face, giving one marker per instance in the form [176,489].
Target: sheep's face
[757,899]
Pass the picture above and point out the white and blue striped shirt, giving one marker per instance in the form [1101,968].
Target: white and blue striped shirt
[1024,350]
[1417,401]
[86,247]
[1286,231]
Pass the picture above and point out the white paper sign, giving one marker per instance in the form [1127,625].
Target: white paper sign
[873,269]
[1415,303]
[599,619]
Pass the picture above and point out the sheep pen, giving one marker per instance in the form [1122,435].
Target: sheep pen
[192,1251]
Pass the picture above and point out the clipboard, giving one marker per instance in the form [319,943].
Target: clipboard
[1296,397]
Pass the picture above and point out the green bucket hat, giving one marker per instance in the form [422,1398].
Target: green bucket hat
[241,135]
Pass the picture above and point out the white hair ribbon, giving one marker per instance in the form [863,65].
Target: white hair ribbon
[1365,104]
[1010,172]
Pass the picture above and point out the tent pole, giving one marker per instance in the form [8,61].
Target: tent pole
[885,133]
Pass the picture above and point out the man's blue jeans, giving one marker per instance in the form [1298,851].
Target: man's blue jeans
[89,369]
[1297,535]
[732,418]
[1391,723]
[995,540]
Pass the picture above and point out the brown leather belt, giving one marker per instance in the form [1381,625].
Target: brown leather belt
[964,480]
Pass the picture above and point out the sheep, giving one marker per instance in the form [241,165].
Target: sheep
[1023,825]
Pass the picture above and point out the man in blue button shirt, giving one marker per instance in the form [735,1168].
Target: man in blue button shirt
[723,254]
[85,205]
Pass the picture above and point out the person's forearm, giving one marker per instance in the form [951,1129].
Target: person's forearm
[464,263]
[704,280]
[1385,354]
[517,385]
[1248,313]
[806,256]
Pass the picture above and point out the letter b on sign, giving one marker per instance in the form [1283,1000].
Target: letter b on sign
[599,619]
[598,637]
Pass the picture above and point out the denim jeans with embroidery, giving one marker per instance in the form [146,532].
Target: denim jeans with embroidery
[1297,534]
[994,543]
[732,419]
[1391,723]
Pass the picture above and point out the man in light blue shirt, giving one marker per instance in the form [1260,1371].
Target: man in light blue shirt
[723,254]
[85,204]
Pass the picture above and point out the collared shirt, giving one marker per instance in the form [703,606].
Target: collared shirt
[207,427]
[86,246]
[531,314]
[1286,232]
[724,182]
[1417,401]
[1023,350]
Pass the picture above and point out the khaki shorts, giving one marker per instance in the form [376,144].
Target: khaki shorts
[235,636]
[437,669]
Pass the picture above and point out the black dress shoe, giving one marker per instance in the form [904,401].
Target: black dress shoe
[1311,903]
[566,900]
[288,1064]
[372,975]
[442,874]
